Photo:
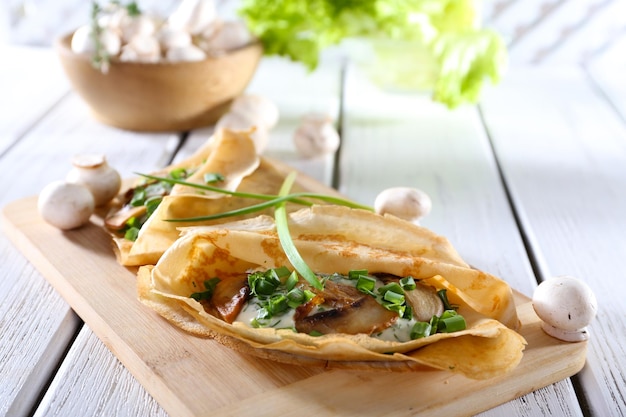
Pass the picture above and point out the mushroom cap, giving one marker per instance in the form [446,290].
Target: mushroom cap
[259,110]
[193,16]
[404,202]
[185,53]
[88,161]
[565,303]
[65,205]
[313,139]
[94,173]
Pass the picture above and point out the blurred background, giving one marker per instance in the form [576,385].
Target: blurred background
[538,32]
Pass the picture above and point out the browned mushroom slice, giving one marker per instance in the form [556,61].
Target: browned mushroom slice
[423,300]
[348,311]
[117,220]
[229,297]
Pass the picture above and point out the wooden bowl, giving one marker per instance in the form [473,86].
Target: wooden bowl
[164,96]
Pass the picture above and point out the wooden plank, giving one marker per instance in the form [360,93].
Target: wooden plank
[446,154]
[237,384]
[34,334]
[43,154]
[582,40]
[606,70]
[566,176]
[105,373]
[554,39]
[27,94]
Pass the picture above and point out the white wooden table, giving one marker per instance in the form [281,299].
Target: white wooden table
[529,184]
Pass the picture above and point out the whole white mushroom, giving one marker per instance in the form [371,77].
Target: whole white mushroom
[140,25]
[567,306]
[404,202]
[193,16]
[256,108]
[65,205]
[226,36]
[83,41]
[316,136]
[141,48]
[185,53]
[173,38]
[94,172]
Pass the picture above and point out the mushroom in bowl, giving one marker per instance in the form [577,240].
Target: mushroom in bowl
[157,94]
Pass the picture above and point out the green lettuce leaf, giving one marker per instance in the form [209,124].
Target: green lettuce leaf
[457,55]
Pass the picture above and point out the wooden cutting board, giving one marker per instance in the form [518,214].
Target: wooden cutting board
[191,376]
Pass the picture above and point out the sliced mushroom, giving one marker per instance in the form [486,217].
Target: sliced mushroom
[117,220]
[228,298]
[349,311]
[424,300]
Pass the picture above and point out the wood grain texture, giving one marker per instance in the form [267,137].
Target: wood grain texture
[567,180]
[125,396]
[26,94]
[236,384]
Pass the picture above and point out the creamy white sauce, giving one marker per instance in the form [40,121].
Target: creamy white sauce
[251,308]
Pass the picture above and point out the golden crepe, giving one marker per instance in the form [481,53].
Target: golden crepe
[232,155]
[333,241]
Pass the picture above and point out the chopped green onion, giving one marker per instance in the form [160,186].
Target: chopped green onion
[152,203]
[448,313]
[451,324]
[366,284]
[277,304]
[131,234]
[281,272]
[291,281]
[178,173]
[133,222]
[408,283]
[408,312]
[139,197]
[420,329]
[296,297]
[391,287]
[356,273]
[282,227]
[263,283]
[434,323]
[444,298]
[209,286]
[211,177]
[398,308]
[394,298]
